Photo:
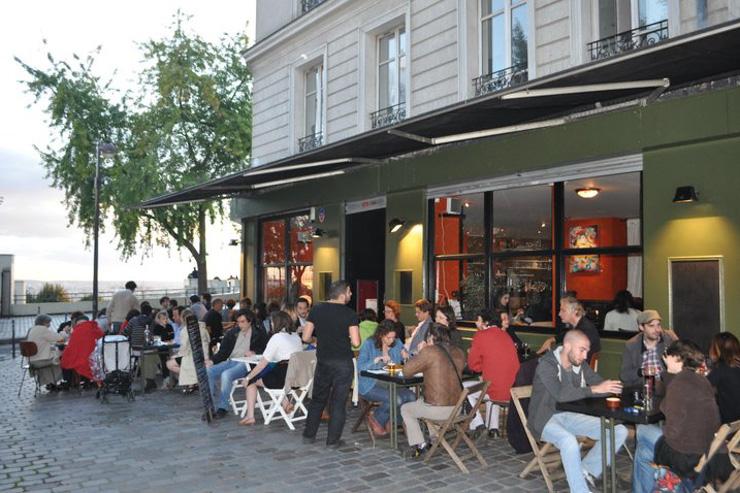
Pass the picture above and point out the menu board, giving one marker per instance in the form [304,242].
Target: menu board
[196,347]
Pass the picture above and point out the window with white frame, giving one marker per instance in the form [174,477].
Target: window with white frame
[504,38]
[626,25]
[313,108]
[392,75]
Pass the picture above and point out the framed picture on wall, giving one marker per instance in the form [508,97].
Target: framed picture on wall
[584,237]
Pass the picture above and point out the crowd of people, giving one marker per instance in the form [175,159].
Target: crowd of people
[697,392]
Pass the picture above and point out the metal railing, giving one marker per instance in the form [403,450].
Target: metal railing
[182,294]
[388,116]
[501,79]
[309,5]
[310,142]
[629,40]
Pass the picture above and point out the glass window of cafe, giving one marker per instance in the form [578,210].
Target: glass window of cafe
[286,259]
[520,248]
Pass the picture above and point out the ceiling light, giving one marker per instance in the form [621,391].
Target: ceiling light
[318,233]
[685,194]
[588,193]
[395,224]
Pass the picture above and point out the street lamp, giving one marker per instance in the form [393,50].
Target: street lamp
[104,149]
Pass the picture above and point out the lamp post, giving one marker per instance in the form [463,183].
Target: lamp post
[105,149]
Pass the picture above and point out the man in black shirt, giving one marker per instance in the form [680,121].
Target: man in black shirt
[214,322]
[336,329]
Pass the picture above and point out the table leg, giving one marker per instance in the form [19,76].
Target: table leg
[394,418]
[613,455]
[602,444]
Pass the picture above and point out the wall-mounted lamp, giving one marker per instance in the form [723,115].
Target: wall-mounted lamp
[395,224]
[233,242]
[685,194]
[318,233]
[588,193]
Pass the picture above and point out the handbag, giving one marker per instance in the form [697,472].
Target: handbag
[466,407]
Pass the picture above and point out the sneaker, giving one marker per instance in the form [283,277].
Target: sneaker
[308,440]
[220,413]
[493,433]
[336,445]
[415,452]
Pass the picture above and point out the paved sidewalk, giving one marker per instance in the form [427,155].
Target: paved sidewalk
[70,442]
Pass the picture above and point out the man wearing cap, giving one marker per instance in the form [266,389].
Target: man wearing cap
[645,349]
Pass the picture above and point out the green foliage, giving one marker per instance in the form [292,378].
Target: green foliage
[187,121]
[49,293]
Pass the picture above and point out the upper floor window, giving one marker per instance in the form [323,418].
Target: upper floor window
[627,25]
[392,76]
[504,44]
[313,109]
[308,5]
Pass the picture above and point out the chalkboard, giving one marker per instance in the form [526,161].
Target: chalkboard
[196,346]
[696,299]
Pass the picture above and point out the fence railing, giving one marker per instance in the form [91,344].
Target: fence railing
[309,5]
[640,37]
[74,297]
[310,142]
[388,116]
[501,79]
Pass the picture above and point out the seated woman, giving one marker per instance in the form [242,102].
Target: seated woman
[445,316]
[75,360]
[392,312]
[725,375]
[182,364]
[45,363]
[376,352]
[161,326]
[271,369]
[623,316]
[691,419]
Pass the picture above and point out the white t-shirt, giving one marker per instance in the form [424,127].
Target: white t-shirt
[281,346]
[625,321]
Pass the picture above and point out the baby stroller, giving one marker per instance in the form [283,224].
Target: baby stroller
[116,368]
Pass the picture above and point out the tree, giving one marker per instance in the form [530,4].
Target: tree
[48,293]
[188,120]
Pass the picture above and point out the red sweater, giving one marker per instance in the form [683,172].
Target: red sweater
[81,344]
[493,354]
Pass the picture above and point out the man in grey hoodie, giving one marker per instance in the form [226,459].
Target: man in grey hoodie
[561,376]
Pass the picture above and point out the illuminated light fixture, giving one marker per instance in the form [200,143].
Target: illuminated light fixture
[685,194]
[588,193]
[318,233]
[234,242]
[395,224]
[296,179]
[466,204]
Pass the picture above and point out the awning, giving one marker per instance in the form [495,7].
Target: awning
[706,54]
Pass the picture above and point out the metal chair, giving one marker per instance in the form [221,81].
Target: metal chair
[28,349]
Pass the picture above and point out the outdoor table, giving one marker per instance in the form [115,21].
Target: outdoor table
[596,406]
[249,360]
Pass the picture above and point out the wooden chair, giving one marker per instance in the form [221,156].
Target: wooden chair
[594,361]
[546,455]
[365,408]
[458,423]
[28,349]
[728,434]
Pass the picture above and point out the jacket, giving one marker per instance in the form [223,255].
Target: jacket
[419,335]
[553,384]
[120,304]
[631,372]
[441,385]
[366,361]
[188,375]
[493,354]
[257,343]
[301,367]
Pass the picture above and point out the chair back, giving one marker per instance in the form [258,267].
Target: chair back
[28,349]
[720,440]
[594,361]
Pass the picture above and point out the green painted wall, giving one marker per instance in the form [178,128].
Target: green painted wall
[326,250]
[710,226]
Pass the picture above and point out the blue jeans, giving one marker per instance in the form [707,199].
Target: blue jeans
[643,474]
[225,373]
[381,394]
[561,430]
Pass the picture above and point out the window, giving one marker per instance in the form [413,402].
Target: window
[392,73]
[534,242]
[313,115]
[503,44]
[651,11]
[286,259]
[627,25]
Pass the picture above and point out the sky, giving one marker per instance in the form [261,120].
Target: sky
[33,220]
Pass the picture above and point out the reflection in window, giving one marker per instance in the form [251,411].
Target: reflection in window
[314,114]
[273,283]
[521,218]
[501,49]
[609,218]
[297,267]
[392,67]
[652,11]
[528,281]
[273,242]
[459,224]
[301,282]
[462,285]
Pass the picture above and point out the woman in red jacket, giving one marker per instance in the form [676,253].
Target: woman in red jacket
[492,353]
[76,356]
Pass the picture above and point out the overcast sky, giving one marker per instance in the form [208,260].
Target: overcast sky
[33,222]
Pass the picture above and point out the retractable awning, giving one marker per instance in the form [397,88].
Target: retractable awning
[546,101]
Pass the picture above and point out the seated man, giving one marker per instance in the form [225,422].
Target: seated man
[45,363]
[441,384]
[562,376]
[642,353]
[493,354]
[240,341]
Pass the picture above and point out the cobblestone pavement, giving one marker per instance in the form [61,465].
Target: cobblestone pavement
[71,442]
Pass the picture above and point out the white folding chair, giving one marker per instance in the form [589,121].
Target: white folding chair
[239,406]
[273,409]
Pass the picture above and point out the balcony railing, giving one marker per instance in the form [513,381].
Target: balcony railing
[500,79]
[308,5]
[310,142]
[388,116]
[629,40]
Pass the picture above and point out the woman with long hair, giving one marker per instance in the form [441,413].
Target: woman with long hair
[445,316]
[724,353]
[392,312]
[623,316]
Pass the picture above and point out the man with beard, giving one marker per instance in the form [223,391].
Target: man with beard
[643,352]
[563,375]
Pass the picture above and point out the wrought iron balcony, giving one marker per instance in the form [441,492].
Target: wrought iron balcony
[629,40]
[308,5]
[310,142]
[388,116]
[500,79]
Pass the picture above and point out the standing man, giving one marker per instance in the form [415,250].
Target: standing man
[120,304]
[644,351]
[562,376]
[198,308]
[336,329]
[214,322]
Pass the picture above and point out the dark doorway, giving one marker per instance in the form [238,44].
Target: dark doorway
[365,254]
